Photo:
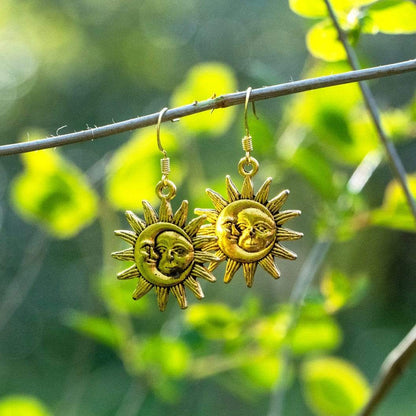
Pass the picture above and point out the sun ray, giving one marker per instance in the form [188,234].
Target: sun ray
[284,216]
[165,211]
[232,192]
[143,286]
[268,264]
[248,270]
[247,192]
[179,292]
[283,252]
[218,201]
[162,294]
[205,242]
[126,235]
[181,214]
[194,286]
[277,202]
[205,256]
[127,255]
[207,229]
[203,273]
[214,264]
[135,222]
[285,234]
[129,273]
[230,269]
[211,214]
[263,193]
[149,213]
[192,228]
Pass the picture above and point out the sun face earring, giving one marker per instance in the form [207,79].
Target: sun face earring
[167,254]
[248,226]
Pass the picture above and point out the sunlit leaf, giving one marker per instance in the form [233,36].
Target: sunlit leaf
[340,290]
[19,405]
[315,331]
[213,321]
[262,370]
[53,193]
[134,169]
[98,328]
[314,9]
[202,82]
[333,387]
[393,16]
[271,330]
[395,212]
[322,42]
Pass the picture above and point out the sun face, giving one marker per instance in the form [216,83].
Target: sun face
[167,254]
[248,228]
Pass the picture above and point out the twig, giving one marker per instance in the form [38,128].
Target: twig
[223,101]
[395,162]
[391,369]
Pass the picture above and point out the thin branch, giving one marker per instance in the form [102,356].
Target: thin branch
[395,162]
[391,369]
[223,101]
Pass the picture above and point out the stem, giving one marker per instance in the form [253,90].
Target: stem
[395,162]
[223,101]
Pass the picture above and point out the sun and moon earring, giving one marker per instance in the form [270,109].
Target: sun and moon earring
[247,225]
[168,254]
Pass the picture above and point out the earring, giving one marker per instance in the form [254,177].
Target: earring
[248,226]
[167,254]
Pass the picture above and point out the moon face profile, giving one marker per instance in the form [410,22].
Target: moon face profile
[164,254]
[246,231]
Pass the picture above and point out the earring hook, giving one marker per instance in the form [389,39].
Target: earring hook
[248,93]
[159,121]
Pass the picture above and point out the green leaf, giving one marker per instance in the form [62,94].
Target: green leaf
[98,328]
[204,81]
[54,194]
[322,42]
[392,17]
[314,9]
[341,291]
[262,370]
[19,405]
[134,169]
[315,331]
[333,387]
[395,212]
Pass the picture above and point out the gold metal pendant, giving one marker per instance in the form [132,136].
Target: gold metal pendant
[167,254]
[248,226]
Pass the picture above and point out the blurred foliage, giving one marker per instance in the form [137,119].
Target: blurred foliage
[73,62]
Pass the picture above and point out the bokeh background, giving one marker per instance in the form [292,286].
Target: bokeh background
[72,342]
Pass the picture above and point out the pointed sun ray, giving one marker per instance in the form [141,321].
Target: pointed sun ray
[192,228]
[181,214]
[284,216]
[211,214]
[230,269]
[268,264]
[248,270]
[205,242]
[263,193]
[277,202]
[126,235]
[162,294]
[247,192]
[205,256]
[218,201]
[143,286]
[232,192]
[283,252]
[207,230]
[179,292]
[127,255]
[203,273]
[214,264]
[135,222]
[129,273]
[149,213]
[194,286]
[165,211]
[285,234]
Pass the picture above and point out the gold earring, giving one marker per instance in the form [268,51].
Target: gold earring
[167,254]
[248,226]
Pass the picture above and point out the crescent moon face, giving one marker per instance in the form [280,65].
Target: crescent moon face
[164,254]
[246,231]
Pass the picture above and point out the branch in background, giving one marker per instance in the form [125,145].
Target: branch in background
[395,162]
[391,369]
[223,101]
